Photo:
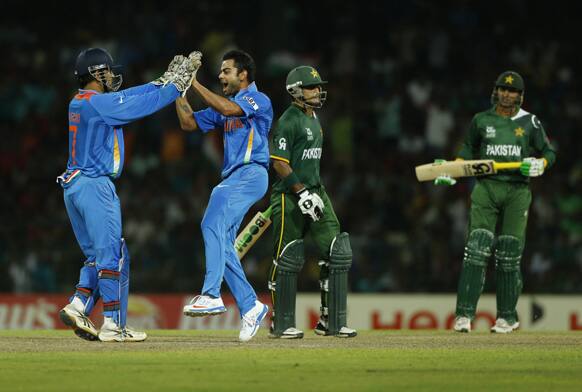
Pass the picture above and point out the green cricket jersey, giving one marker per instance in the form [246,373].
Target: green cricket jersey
[505,139]
[298,140]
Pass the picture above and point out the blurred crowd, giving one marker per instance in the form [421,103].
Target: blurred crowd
[405,79]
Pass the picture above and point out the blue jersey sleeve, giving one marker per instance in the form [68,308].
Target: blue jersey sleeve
[118,108]
[208,119]
[138,90]
[254,104]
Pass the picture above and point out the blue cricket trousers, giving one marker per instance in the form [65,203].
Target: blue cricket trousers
[229,202]
[95,214]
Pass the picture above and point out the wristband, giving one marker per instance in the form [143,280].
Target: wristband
[291,180]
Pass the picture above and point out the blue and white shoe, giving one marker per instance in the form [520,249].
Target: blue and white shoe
[203,305]
[251,321]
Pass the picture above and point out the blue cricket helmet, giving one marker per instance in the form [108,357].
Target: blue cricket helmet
[94,62]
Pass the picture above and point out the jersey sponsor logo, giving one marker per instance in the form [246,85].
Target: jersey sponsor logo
[309,134]
[282,144]
[232,124]
[490,132]
[504,150]
[252,102]
[311,153]
[121,99]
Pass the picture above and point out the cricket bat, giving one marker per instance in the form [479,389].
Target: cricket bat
[455,169]
[251,233]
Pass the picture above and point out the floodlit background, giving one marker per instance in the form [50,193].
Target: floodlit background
[405,78]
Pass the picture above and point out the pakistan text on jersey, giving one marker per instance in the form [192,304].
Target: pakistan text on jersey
[232,124]
[311,153]
[503,150]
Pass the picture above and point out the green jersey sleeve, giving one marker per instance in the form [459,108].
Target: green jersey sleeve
[540,142]
[282,141]
[471,144]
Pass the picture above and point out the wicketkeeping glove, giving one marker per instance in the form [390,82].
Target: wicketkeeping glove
[171,71]
[310,204]
[186,72]
[443,179]
[532,167]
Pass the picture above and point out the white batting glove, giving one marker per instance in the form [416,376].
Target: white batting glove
[171,71]
[310,204]
[443,179]
[532,167]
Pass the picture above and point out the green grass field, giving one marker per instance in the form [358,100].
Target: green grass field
[216,361]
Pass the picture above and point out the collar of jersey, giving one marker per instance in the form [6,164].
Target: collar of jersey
[251,87]
[81,90]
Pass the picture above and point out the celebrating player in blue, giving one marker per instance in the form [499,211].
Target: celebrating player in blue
[245,118]
[96,154]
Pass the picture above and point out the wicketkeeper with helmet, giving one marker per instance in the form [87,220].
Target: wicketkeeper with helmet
[500,203]
[97,114]
[301,206]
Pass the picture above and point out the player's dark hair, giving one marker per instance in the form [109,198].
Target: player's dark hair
[84,80]
[243,62]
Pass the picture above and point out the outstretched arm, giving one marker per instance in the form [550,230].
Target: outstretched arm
[184,111]
[222,105]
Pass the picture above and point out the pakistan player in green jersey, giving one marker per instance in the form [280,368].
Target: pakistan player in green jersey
[500,203]
[301,206]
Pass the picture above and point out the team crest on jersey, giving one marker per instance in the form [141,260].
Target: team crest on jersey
[519,132]
[309,134]
[490,132]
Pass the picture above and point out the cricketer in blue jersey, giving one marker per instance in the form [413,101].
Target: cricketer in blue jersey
[96,154]
[245,119]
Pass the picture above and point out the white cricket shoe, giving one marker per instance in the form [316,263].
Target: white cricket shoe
[462,324]
[111,332]
[502,326]
[251,321]
[81,324]
[289,333]
[203,305]
[344,332]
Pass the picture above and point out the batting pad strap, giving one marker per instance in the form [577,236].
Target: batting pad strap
[83,292]
[340,254]
[109,274]
[111,306]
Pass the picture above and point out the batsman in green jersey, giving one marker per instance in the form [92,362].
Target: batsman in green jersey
[500,203]
[301,206]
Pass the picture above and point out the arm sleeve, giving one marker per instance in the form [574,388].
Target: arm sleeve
[541,143]
[254,104]
[138,90]
[282,142]
[119,109]
[470,146]
[208,119]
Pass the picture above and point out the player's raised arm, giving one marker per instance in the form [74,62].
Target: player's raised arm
[185,115]
[222,105]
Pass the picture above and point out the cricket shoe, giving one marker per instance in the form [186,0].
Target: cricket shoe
[502,326]
[462,324]
[203,305]
[289,333]
[81,324]
[251,321]
[111,332]
[344,332]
